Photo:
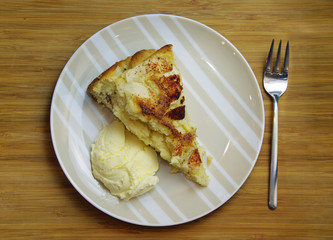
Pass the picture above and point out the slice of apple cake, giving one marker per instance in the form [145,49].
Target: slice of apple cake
[145,92]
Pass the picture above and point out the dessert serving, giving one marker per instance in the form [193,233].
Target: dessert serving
[145,92]
[123,163]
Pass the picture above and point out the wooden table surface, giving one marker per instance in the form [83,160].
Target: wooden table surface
[38,202]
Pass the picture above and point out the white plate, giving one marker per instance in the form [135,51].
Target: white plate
[222,96]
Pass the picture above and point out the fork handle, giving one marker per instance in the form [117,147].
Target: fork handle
[274,159]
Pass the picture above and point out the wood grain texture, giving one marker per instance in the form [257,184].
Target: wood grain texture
[38,202]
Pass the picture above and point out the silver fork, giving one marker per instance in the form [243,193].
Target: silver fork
[275,84]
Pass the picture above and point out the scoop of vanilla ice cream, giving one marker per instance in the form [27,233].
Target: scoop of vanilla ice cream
[124,164]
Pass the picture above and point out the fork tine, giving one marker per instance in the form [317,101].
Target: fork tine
[269,58]
[277,61]
[286,60]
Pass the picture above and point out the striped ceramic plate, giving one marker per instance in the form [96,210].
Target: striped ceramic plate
[222,96]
